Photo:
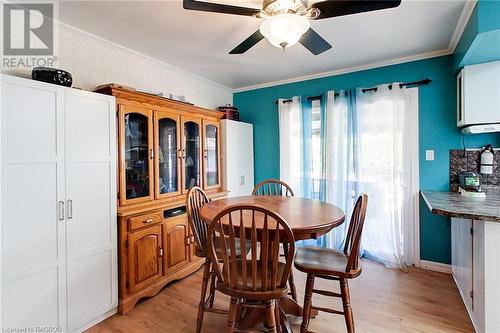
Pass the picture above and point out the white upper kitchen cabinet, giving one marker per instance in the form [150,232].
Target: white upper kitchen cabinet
[237,157]
[58,206]
[478,97]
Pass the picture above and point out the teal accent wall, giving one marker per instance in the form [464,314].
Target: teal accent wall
[480,41]
[469,34]
[489,15]
[437,130]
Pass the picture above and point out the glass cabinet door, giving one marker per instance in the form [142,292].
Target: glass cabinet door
[136,154]
[191,149]
[211,141]
[167,154]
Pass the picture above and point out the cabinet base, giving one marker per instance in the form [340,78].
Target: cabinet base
[126,304]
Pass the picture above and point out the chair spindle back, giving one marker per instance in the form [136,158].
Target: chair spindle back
[260,270]
[195,199]
[273,187]
[353,238]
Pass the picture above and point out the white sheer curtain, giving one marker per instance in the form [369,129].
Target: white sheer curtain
[371,145]
[384,126]
[291,147]
[338,161]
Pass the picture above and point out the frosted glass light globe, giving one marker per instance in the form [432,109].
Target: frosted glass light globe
[284,30]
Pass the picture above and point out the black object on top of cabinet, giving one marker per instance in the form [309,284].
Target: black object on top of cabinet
[52,75]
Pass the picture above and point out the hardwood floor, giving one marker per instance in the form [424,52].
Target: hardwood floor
[383,300]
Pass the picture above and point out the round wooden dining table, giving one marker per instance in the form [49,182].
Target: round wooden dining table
[308,219]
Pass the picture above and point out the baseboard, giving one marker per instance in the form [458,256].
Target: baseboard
[435,266]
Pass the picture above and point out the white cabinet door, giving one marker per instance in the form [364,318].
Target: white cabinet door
[466,261]
[455,243]
[478,283]
[246,183]
[462,258]
[33,227]
[481,97]
[246,159]
[91,202]
[237,156]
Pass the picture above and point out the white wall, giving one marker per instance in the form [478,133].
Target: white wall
[93,61]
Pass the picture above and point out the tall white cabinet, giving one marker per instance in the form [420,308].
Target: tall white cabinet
[237,157]
[58,206]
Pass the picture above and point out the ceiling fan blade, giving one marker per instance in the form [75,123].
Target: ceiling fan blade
[314,42]
[332,8]
[219,8]
[248,43]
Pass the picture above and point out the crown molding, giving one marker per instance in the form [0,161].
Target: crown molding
[353,69]
[462,23]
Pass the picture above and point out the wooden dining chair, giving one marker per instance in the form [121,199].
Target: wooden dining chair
[260,278]
[329,264]
[273,187]
[280,188]
[195,199]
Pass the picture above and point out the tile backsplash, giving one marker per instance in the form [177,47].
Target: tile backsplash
[469,160]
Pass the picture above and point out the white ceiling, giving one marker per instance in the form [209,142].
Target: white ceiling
[199,42]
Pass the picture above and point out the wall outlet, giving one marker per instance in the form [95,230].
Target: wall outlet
[429,155]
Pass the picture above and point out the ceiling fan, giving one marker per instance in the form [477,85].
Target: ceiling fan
[287,22]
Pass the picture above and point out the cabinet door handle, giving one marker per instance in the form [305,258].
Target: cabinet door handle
[188,240]
[61,210]
[152,153]
[161,252]
[70,209]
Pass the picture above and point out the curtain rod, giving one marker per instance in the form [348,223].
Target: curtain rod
[401,85]
[374,89]
[310,98]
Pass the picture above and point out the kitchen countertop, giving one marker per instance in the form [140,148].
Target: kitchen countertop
[455,205]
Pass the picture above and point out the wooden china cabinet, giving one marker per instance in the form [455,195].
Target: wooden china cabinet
[165,148]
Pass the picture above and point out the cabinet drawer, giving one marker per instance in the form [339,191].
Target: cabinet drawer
[144,220]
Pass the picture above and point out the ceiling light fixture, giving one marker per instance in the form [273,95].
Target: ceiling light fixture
[284,30]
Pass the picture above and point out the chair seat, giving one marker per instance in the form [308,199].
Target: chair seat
[218,249]
[323,261]
[227,289]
